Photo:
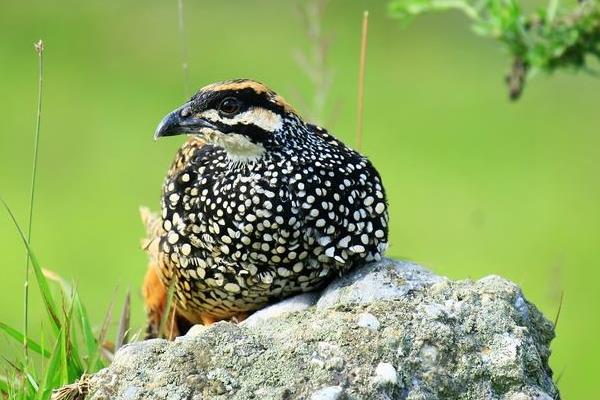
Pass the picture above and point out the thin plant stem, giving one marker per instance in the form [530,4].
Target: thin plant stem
[361,80]
[39,48]
[184,50]
[562,295]
[552,8]
[314,61]
[167,309]
[172,327]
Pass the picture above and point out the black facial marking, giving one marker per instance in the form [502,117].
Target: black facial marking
[248,97]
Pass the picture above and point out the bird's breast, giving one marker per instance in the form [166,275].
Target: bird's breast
[247,215]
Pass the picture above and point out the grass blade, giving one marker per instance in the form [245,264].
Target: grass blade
[19,337]
[72,360]
[39,48]
[64,351]
[167,310]
[17,383]
[88,334]
[124,321]
[560,304]
[52,375]
[51,307]
[78,313]
[95,357]
[32,382]
[5,386]
[81,316]
[43,345]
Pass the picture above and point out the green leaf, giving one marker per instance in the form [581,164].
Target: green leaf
[89,339]
[549,39]
[167,311]
[32,381]
[64,356]
[19,337]
[5,386]
[51,308]
[52,375]
[96,355]
[79,314]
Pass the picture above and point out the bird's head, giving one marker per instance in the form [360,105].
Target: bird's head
[242,116]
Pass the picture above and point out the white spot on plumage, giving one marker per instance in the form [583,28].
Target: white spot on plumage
[357,248]
[344,241]
[174,198]
[172,237]
[232,287]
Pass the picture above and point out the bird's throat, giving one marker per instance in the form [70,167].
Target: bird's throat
[238,147]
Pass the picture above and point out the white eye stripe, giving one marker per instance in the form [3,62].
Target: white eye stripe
[261,117]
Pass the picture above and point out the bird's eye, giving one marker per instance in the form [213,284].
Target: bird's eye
[229,106]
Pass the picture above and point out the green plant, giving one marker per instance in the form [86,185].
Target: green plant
[549,39]
[71,349]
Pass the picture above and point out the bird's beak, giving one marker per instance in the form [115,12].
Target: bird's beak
[181,121]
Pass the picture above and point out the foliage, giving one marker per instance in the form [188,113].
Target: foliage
[66,354]
[73,348]
[551,38]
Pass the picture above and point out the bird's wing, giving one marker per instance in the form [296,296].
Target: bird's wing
[356,221]
[153,290]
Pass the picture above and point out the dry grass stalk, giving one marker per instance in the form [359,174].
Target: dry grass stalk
[361,80]
[124,322]
[74,391]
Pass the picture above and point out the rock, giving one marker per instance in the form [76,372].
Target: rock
[385,374]
[389,330]
[385,280]
[328,393]
[368,320]
[292,304]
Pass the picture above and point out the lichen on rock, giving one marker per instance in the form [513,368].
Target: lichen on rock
[388,330]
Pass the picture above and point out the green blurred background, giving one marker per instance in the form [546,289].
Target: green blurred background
[477,185]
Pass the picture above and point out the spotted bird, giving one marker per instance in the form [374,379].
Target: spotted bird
[258,205]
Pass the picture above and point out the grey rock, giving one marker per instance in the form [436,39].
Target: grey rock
[385,280]
[368,320]
[296,303]
[328,393]
[385,374]
[436,339]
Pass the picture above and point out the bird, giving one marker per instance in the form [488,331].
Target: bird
[258,205]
